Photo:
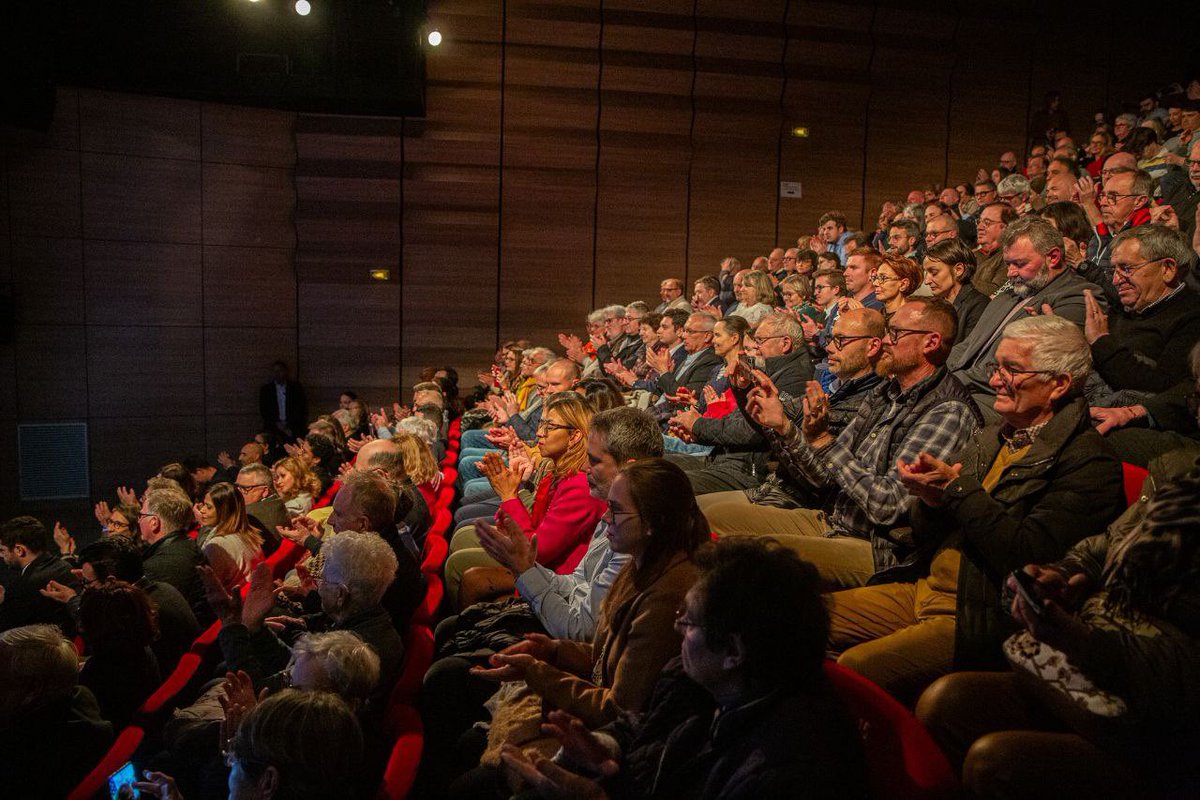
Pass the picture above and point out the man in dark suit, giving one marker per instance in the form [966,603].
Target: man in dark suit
[170,556]
[29,553]
[264,507]
[692,373]
[282,404]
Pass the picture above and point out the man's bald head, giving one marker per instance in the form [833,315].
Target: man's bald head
[862,322]
[382,456]
[561,376]
[1118,160]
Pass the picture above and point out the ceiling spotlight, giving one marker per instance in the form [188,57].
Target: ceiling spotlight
[434,38]
[303,7]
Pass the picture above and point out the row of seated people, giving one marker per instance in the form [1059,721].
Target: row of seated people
[160,572]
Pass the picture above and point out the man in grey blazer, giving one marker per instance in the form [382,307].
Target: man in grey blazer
[1039,280]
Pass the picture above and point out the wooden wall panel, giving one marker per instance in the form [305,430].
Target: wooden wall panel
[48,280]
[145,372]
[451,225]
[237,361]
[906,142]
[126,450]
[549,162]
[249,136]
[141,199]
[249,287]
[990,94]
[645,150]
[248,206]
[139,125]
[143,283]
[51,372]
[43,189]
[735,136]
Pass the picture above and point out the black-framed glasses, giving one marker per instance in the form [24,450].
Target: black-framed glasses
[142,514]
[613,513]
[545,426]
[877,278]
[1007,374]
[247,489]
[840,342]
[894,335]
[1127,270]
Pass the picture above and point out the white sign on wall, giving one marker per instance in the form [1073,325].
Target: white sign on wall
[790,189]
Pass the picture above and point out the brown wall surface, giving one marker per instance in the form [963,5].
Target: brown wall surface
[162,252]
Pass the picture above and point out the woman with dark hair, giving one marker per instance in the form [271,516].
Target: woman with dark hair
[1070,220]
[179,473]
[118,626]
[228,541]
[782,730]
[600,393]
[653,518]
[949,266]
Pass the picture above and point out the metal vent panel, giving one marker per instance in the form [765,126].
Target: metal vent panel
[53,460]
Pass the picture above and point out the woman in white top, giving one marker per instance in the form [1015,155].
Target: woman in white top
[756,296]
[230,544]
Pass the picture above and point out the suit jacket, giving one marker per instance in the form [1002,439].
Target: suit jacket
[969,357]
[694,377]
[990,271]
[295,405]
[23,601]
[266,515]
[173,559]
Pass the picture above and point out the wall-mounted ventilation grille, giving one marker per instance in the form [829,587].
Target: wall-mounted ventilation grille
[53,460]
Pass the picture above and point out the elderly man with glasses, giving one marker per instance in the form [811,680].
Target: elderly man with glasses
[1022,490]
[851,477]
[1124,203]
[264,508]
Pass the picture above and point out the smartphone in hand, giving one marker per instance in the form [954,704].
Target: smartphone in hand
[1029,591]
[120,783]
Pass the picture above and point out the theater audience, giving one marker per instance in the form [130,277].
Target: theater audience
[30,562]
[563,606]
[1023,489]
[782,730]
[51,730]
[385,458]
[654,519]
[228,542]
[920,407]
[692,372]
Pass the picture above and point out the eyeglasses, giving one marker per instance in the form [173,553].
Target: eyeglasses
[1127,270]
[1113,197]
[761,339]
[245,489]
[1008,373]
[896,334]
[934,234]
[694,331]
[545,426]
[113,524]
[840,342]
[818,287]
[877,278]
[142,514]
[984,222]
[613,513]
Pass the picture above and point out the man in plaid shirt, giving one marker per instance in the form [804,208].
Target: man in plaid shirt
[919,408]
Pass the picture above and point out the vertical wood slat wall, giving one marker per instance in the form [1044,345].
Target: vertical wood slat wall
[573,152]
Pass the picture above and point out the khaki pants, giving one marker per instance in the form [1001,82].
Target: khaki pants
[900,635]
[465,553]
[1009,746]
[842,561]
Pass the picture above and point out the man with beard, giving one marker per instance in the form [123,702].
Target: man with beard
[1039,281]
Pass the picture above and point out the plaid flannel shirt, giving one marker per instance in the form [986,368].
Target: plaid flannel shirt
[865,498]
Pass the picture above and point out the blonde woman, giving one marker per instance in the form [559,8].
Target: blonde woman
[564,513]
[756,297]
[229,543]
[418,459]
[295,484]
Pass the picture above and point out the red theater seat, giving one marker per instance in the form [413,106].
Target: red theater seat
[401,768]
[904,761]
[96,781]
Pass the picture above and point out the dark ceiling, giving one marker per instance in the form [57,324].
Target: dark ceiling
[345,57]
